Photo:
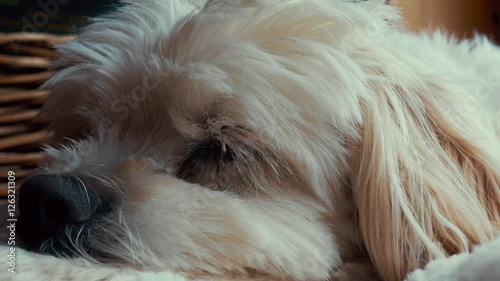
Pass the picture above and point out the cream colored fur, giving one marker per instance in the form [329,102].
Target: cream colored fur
[276,139]
[481,265]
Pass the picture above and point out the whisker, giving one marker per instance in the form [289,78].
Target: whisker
[84,187]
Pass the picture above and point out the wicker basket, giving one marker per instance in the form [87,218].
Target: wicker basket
[24,62]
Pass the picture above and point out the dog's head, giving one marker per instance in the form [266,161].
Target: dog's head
[277,138]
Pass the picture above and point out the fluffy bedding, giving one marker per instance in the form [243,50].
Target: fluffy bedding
[341,133]
[483,264]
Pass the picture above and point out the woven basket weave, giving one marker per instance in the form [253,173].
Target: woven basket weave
[24,62]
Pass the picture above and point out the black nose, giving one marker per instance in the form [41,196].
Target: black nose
[47,202]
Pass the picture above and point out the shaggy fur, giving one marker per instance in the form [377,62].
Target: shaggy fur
[483,264]
[275,139]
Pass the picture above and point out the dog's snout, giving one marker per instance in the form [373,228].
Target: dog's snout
[47,202]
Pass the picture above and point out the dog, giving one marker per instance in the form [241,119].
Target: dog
[267,140]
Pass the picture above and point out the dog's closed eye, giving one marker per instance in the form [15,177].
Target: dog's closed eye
[211,152]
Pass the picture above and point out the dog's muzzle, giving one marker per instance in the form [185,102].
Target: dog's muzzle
[49,202]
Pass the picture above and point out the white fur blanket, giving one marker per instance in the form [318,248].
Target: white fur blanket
[483,264]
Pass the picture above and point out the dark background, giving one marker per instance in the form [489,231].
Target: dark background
[53,16]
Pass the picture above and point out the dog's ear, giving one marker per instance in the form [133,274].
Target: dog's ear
[424,187]
[60,107]
[113,46]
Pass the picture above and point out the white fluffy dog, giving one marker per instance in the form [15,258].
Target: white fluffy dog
[267,140]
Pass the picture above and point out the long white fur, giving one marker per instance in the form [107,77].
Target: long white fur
[293,64]
[481,265]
